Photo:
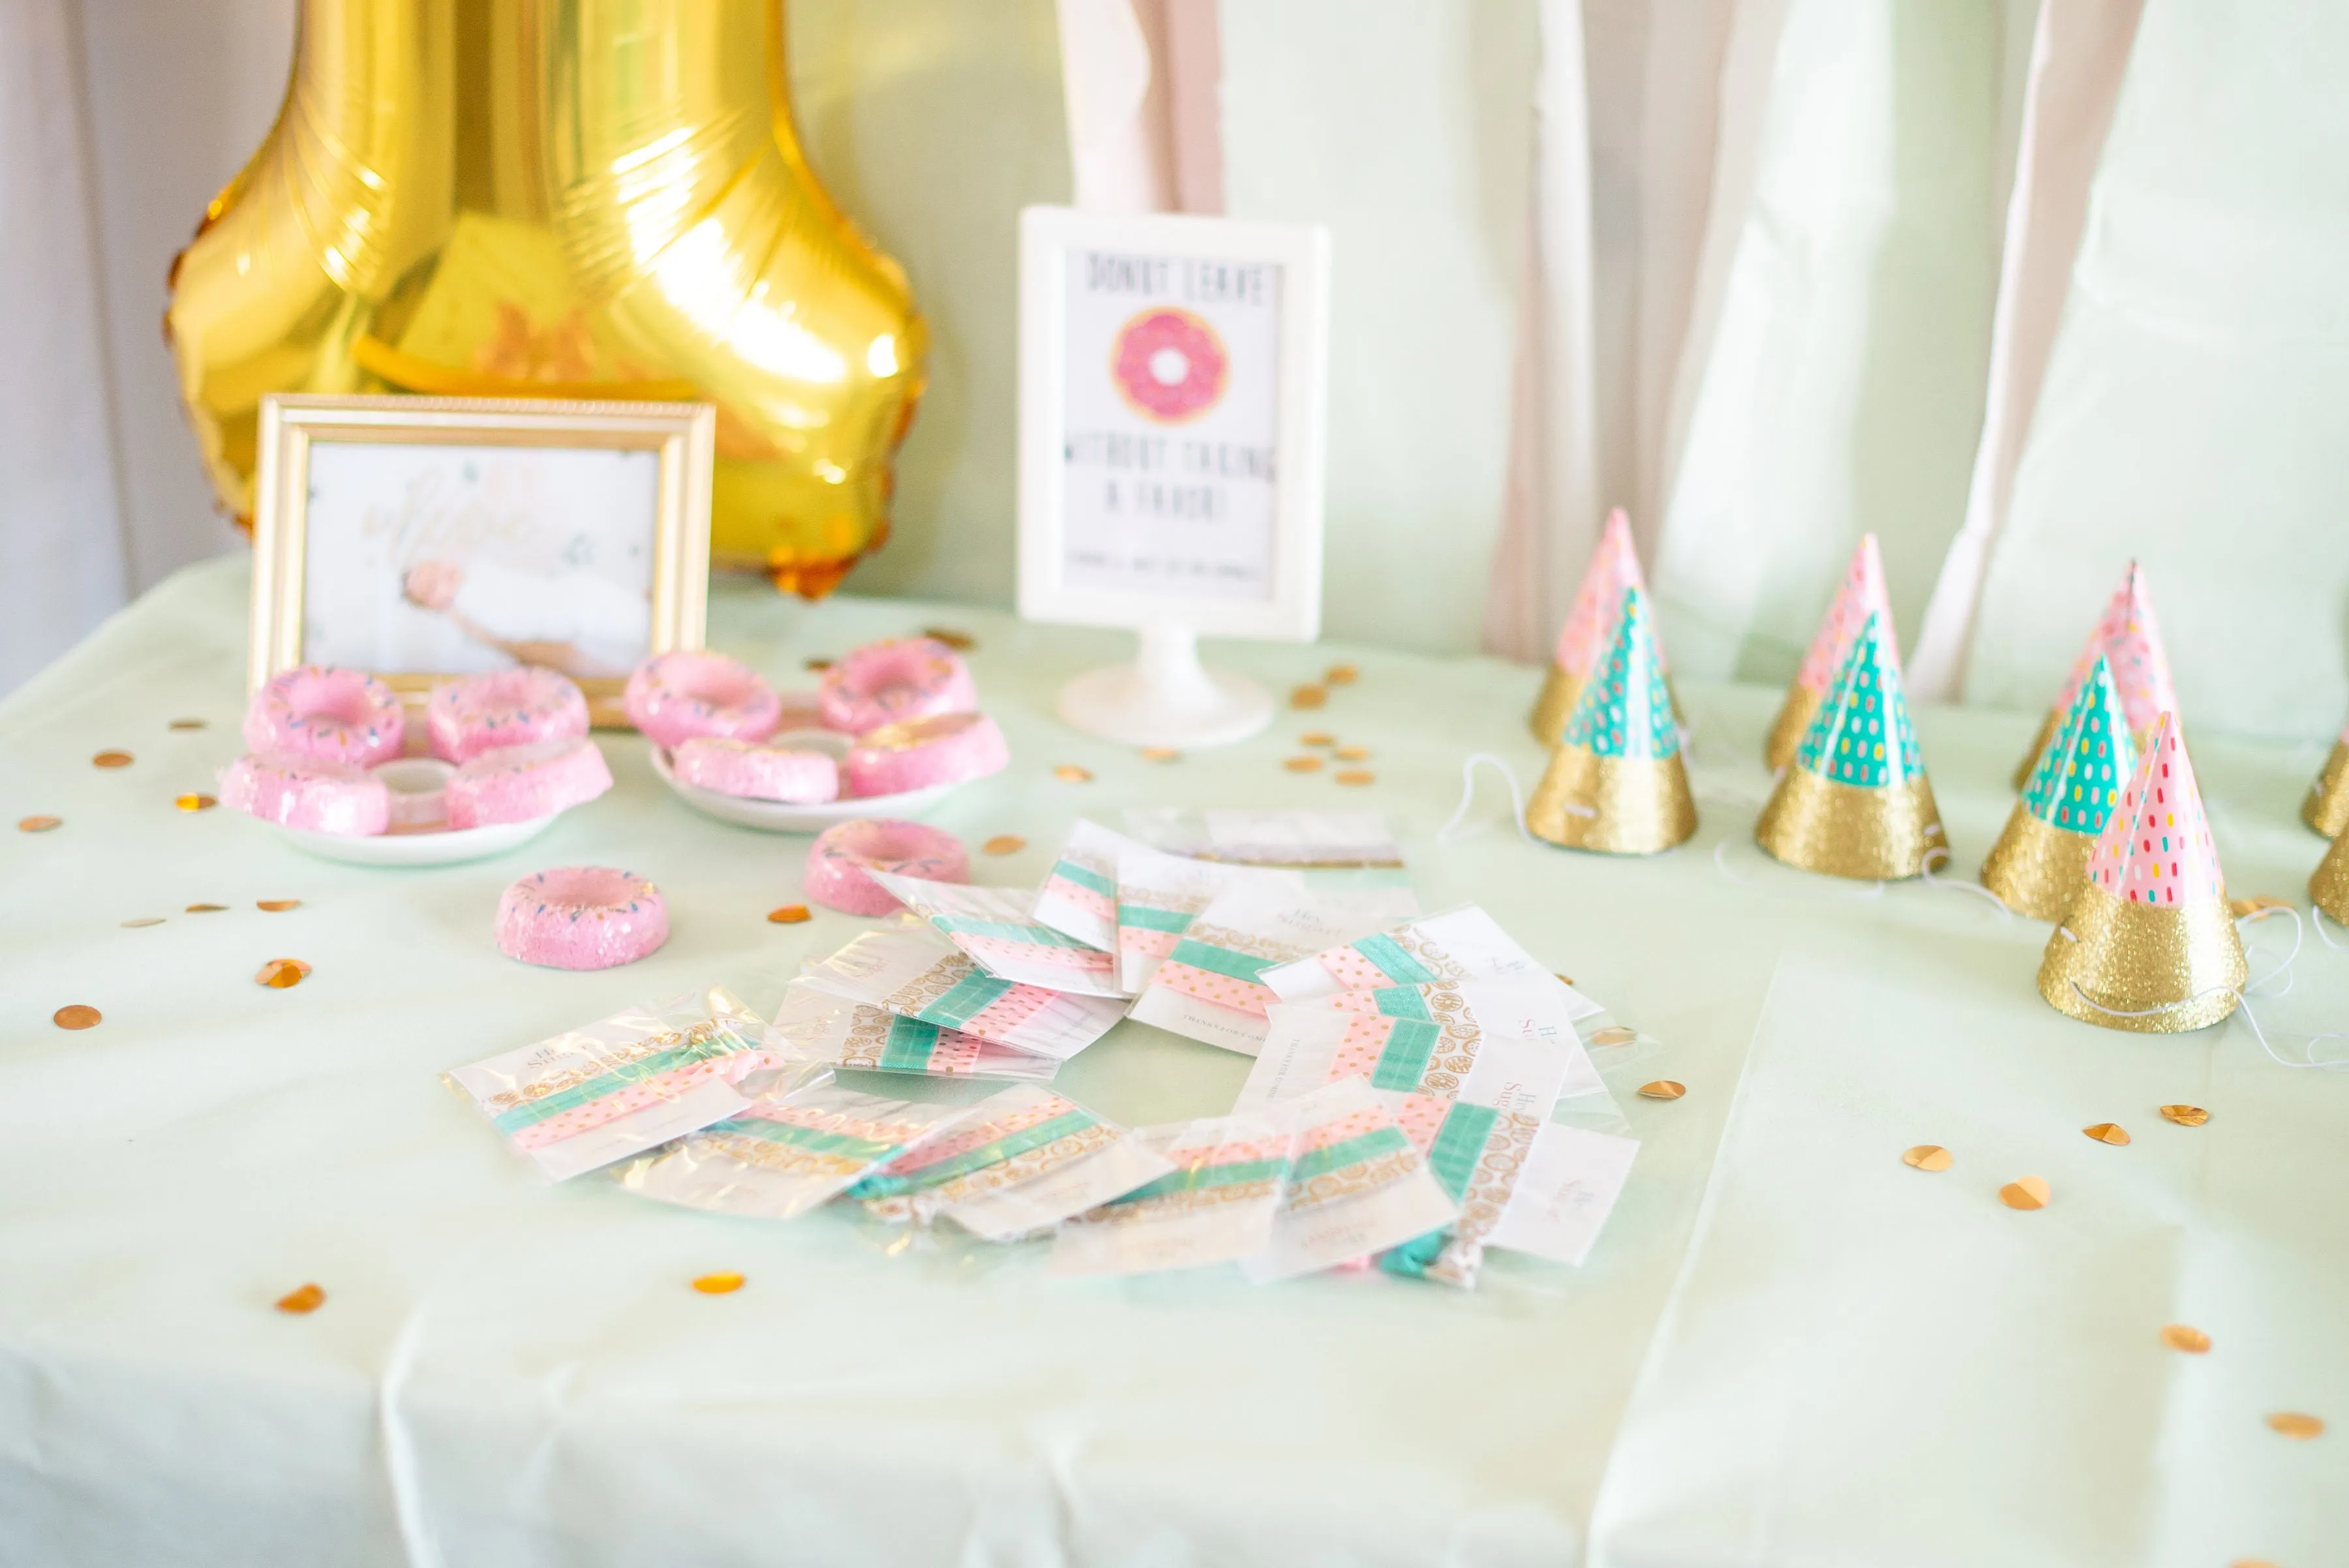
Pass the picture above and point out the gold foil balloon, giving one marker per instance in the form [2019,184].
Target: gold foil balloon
[602,198]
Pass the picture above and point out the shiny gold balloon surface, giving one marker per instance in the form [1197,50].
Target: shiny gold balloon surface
[604,199]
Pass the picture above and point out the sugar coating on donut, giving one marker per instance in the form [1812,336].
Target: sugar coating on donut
[477,713]
[945,748]
[522,784]
[581,916]
[673,697]
[886,683]
[323,711]
[317,793]
[841,854]
[754,772]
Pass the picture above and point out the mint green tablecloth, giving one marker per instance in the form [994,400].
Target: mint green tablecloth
[1788,1348]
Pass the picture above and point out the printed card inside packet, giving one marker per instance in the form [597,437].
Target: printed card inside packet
[1458,945]
[1158,896]
[998,929]
[1300,840]
[1511,1046]
[1216,1206]
[1078,898]
[814,1025]
[1357,1185]
[913,972]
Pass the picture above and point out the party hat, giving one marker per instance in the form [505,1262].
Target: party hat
[1861,595]
[1616,782]
[2326,809]
[2329,888]
[2130,639]
[1590,626]
[2148,943]
[2038,862]
[1856,803]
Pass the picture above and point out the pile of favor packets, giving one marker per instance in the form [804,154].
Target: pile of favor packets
[1419,1093]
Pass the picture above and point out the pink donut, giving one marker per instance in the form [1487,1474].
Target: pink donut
[757,771]
[522,784]
[903,678]
[841,854]
[581,916]
[945,748]
[319,711]
[673,697]
[319,794]
[504,708]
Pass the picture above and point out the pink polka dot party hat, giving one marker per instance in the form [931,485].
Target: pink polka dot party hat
[1616,783]
[2128,638]
[1861,595]
[1589,628]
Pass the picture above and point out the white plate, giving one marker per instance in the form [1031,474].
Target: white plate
[446,847]
[776,817]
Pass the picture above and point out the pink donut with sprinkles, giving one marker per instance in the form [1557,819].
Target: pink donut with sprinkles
[884,682]
[755,772]
[522,784]
[318,794]
[945,748]
[673,697]
[1169,365]
[840,858]
[581,916]
[504,708]
[320,710]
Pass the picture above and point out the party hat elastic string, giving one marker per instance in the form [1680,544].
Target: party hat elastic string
[2242,995]
[1468,797]
[1940,856]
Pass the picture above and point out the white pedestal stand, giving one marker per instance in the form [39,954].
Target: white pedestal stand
[1166,697]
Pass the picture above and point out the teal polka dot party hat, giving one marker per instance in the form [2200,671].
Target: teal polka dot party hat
[2041,856]
[1616,782]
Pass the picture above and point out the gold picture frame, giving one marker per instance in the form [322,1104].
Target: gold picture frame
[293,426]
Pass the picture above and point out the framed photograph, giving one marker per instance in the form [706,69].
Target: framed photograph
[1173,409]
[419,538]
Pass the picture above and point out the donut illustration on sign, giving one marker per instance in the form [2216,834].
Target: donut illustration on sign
[1169,365]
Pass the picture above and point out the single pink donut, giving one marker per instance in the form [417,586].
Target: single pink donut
[756,772]
[316,793]
[522,784]
[673,697]
[903,678]
[841,854]
[504,708]
[320,710]
[945,748]
[581,916]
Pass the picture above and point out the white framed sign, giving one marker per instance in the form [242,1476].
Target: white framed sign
[1173,399]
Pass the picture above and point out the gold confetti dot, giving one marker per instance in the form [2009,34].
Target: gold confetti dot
[2108,1132]
[1568,978]
[2185,1337]
[1357,776]
[790,914]
[1004,844]
[1302,765]
[38,824]
[1317,738]
[1342,675]
[110,760]
[190,724]
[1663,1089]
[1353,753]
[1160,754]
[195,803]
[719,1285]
[960,641]
[2026,1193]
[2185,1116]
[276,906]
[1614,1034]
[143,920]
[1308,696]
[283,974]
[1927,1157]
[78,1015]
[818,664]
[2251,1563]
[206,908]
[2297,1423]
[1069,773]
[307,1298]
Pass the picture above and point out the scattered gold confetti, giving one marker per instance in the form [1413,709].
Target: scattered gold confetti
[1069,772]
[1927,1157]
[190,724]
[2028,1192]
[1160,754]
[206,908]
[1004,844]
[2257,903]
[1357,776]
[790,914]
[1302,765]
[2185,1116]
[144,920]
[195,803]
[77,1015]
[1308,696]
[283,974]
[2108,1132]
[1317,738]
[818,664]
[1663,1089]
[2181,1336]
[719,1285]
[2297,1423]
[276,906]
[960,641]
[1567,979]
[1342,675]
[308,1298]
[38,824]
[110,760]
[1614,1034]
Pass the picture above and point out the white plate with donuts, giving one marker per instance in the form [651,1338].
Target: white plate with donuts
[419,835]
[784,816]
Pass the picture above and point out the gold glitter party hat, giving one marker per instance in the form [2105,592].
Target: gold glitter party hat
[2129,640]
[2329,888]
[2326,809]
[1856,803]
[1616,783]
[2038,865]
[2148,943]
[1861,595]
[1590,626]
